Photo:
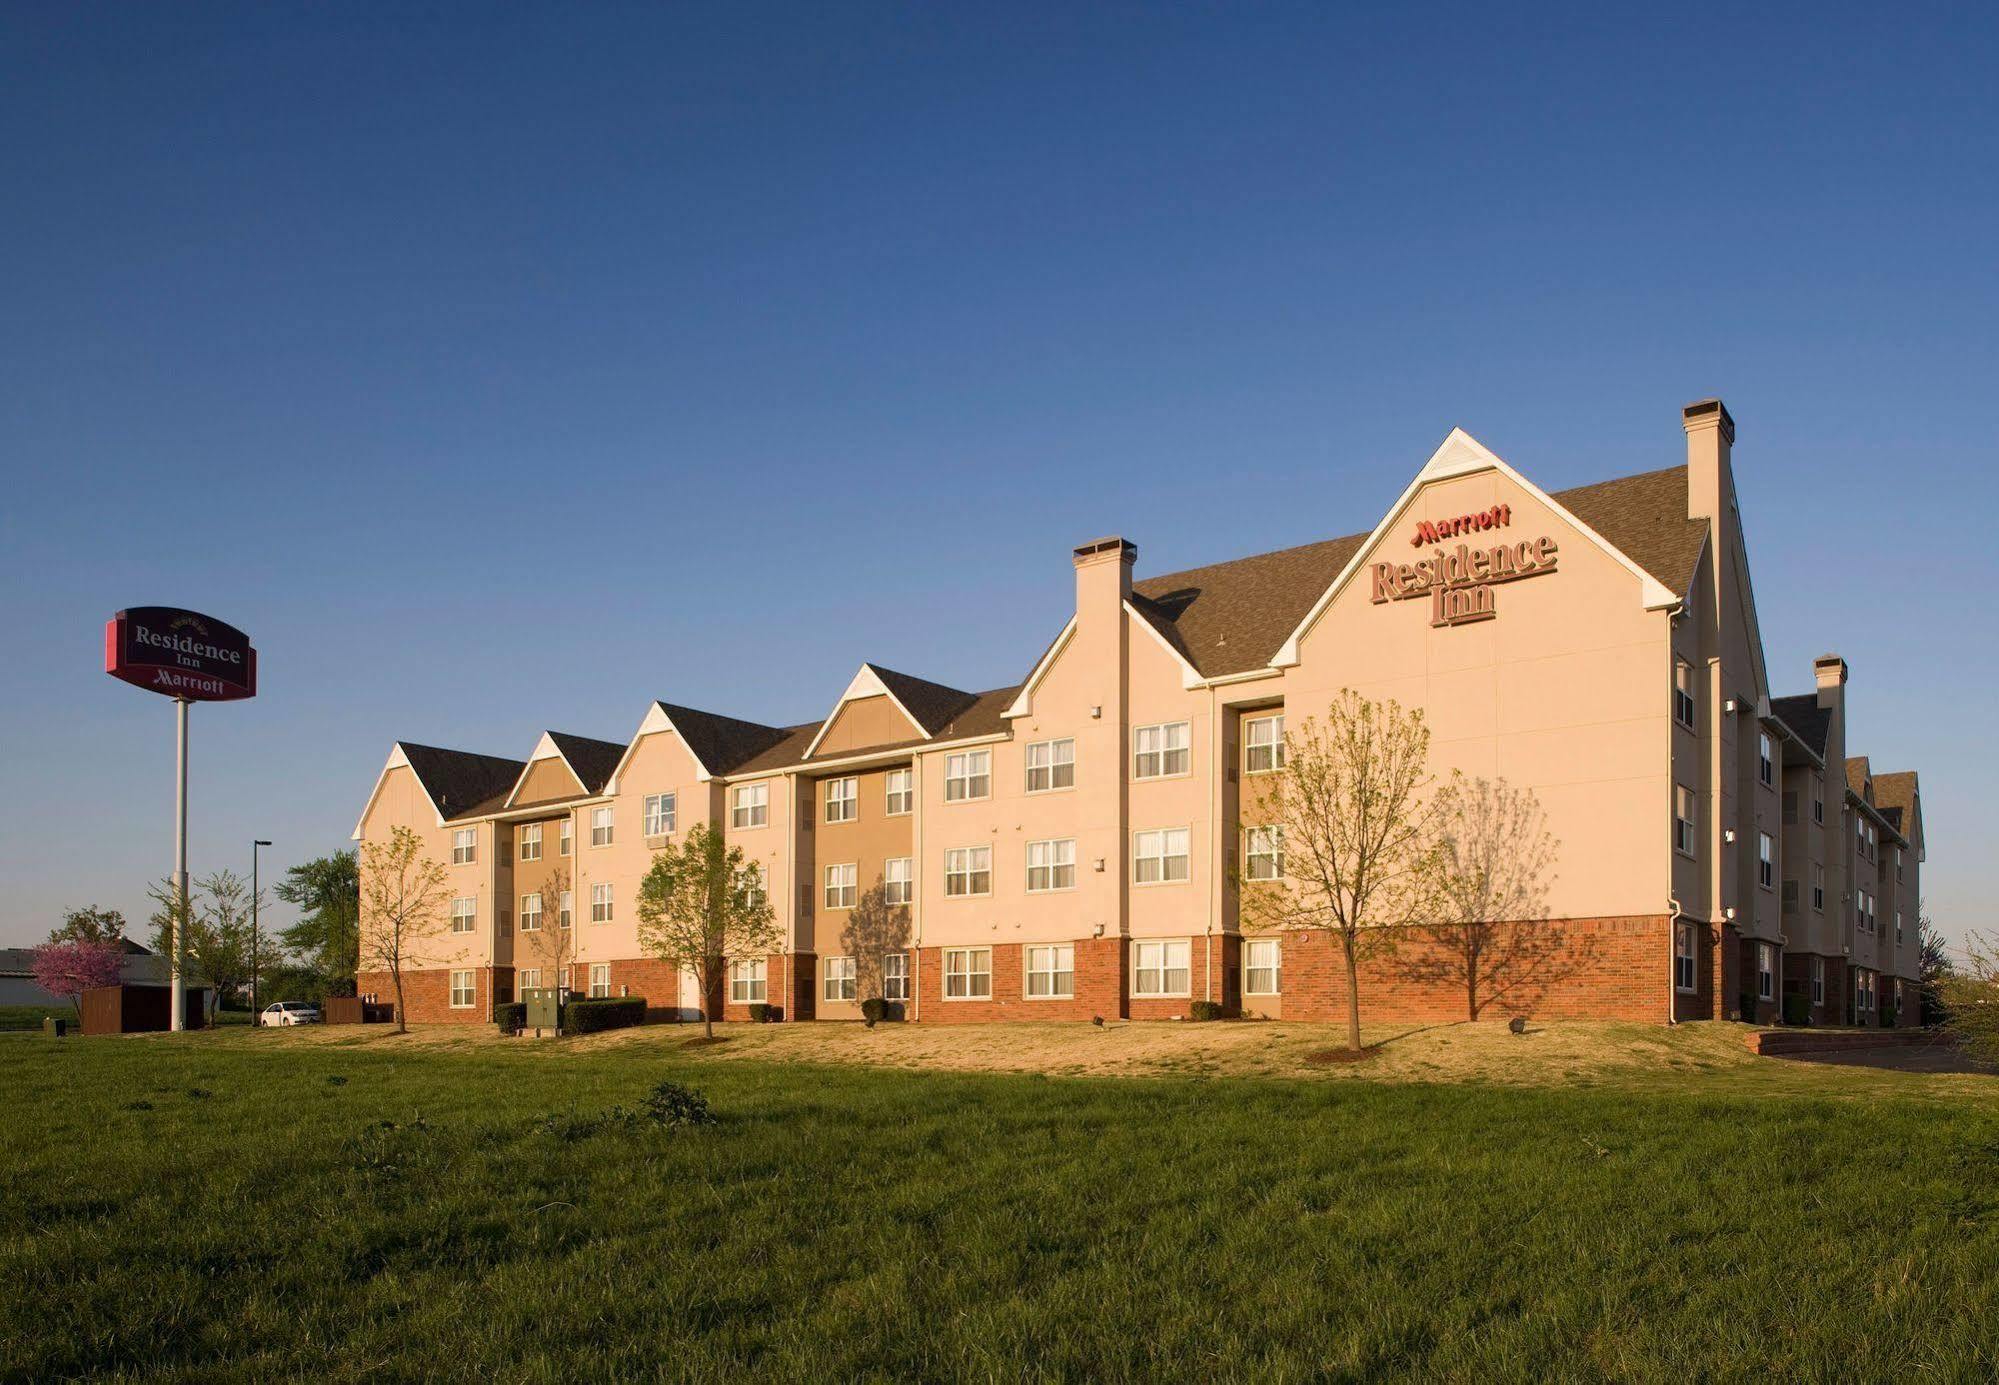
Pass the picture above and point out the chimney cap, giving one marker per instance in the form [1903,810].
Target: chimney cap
[1827,665]
[1104,547]
[1708,412]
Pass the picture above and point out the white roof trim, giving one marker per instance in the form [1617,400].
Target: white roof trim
[398,759]
[1461,454]
[544,749]
[1023,702]
[655,721]
[1190,677]
[866,683]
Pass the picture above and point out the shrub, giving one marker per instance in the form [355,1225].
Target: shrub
[1205,1010]
[875,1010]
[511,1016]
[1747,1000]
[590,1016]
[671,1104]
[761,1013]
[1887,1016]
[1797,1008]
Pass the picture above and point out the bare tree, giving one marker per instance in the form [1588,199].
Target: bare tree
[1970,992]
[1492,858]
[551,943]
[215,931]
[1350,817]
[874,929]
[403,892]
[702,901]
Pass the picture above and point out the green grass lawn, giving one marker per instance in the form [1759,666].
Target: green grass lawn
[233,1204]
[22,1017]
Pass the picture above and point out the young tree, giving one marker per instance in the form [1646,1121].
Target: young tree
[327,936]
[874,929]
[1933,968]
[215,934]
[700,902]
[1352,823]
[90,924]
[403,894]
[550,945]
[1971,997]
[1492,853]
[67,968]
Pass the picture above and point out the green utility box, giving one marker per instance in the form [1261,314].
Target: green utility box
[544,1004]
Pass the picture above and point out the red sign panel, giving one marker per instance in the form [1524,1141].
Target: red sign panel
[180,654]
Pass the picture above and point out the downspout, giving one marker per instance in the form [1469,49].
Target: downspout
[1673,961]
[1218,851]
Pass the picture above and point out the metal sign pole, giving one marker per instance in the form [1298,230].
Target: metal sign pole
[178,1018]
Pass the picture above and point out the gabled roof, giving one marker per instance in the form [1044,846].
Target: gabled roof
[983,715]
[932,705]
[460,783]
[1857,776]
[1899,795]
[1808,721]
[593,761]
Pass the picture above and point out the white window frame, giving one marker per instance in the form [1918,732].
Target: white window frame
[1052,967]
[1053,863]
[1153,968]
[470,914]
[1686,960]
[464,846]
[531,908]
[469,989]
[603,826]
[968,776]
[749,806]
[759,887]
[1050,765]
[839,983]
[1153,845]
[898,793]
[899,880]
[1818,980]
[565,838]
[1766,971]
[1265,957]
[600,980]
[565,909]
[1156,748]
[1263,853]
[748,984]
[1766,760]
[530,847]
[1766,860]
[842,884]
[842,798]
[1686,829]
[527,979]
[895,976]
[1898,928]
[1684,702]
[1818,799]
[968,973]
[662,818]
[1264,735]
[968,863]
[602,905]
[1818,887]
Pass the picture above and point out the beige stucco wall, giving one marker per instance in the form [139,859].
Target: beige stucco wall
[863,722]
[401,802]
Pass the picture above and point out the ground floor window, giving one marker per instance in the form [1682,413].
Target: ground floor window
[968,973]
[463,990]
[1684,975]
[1262,966]
[600,980]
[1160,968]
[1051,972]
[746,982]
[1818,980]
[1863,991]
[1766,971]
[839,978]
[895,976]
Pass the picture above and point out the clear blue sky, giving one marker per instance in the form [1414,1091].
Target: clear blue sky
[503,367]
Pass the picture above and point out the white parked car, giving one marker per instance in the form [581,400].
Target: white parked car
[284,1012]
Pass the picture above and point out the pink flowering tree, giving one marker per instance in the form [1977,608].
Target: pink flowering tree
[67,969]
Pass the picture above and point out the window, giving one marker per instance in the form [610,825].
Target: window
[464,912]
[840,885]
[600,980]
[1766,971]
[530,912]
[600,904]
[751,806]
[1863,986]
[1683,693]
[968,973]
[1863,907]
[1159,968]
[1818,800]
[662,814]
[901,792]
[531,842]
[1683,819]
[1898,930]
[746,982]
[1160,857]
[1262,966]
[839,978]
[1766,860]
[1818,887]
[1263,853]
[530,979]
[968,775]
[463,991]
[565,908]
[968,870]
[1051,765]
[754,884]
[1159,752]
[843,800]
[1684,976]
[895,976]
[465,846]
[898,880]
[1051,972]
[1818,980]
[1051,865]
[1263,745]
[566,837]
[1898,865]
[600,826]
[1765,768]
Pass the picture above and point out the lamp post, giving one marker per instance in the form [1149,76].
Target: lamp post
[254,894]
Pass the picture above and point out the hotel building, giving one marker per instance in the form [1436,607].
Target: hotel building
[1070,846]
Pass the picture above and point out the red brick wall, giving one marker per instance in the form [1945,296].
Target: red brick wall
[428,994]
[797,972]
[1099,987]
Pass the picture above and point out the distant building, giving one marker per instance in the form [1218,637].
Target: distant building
[142,967]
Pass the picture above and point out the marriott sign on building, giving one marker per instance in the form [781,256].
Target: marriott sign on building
[1069,845]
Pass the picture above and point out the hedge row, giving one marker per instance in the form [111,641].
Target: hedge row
[589,1016]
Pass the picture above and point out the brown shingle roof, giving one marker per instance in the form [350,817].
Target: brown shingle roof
[1808,721]
[932,704]
[594,761]
[1900,797]
[982,716]
[460,783]
[1857,776]
[721,743]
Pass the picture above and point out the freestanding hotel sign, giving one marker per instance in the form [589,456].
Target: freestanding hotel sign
[1459,581]
[190,658]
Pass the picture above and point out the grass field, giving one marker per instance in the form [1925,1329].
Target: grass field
[351,1203]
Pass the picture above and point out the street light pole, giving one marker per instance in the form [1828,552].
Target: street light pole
[254,897]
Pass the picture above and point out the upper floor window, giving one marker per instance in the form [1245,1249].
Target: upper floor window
[898,880]
[531,842]
[1263,744]
[968,775]
[968,870]
[600,826]
[662,814]
[1818,800]
[901,786]
[1898,863]
[464,912]
[1898,928]
[1683,693]
[565,912]
[530,912]
[750,806]
[1766,767]
[1818,887]
[843,800]
[464,846]
[1263,853]
[1683,819]
[1051,865]
[565,837]
[1160,857]
[1158,752]
[1051,765]
[600,904]
[841,884]
[755,885]
[1766,860]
